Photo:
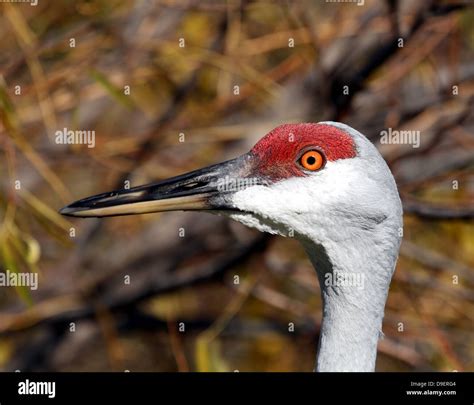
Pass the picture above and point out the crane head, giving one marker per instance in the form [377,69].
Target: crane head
[324,184]
[315,180]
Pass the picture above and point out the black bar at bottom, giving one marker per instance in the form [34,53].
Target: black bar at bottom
[444,388]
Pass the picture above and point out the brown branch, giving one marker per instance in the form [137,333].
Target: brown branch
[68,308]
[431,211]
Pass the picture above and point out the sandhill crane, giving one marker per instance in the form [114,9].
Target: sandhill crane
[326,185]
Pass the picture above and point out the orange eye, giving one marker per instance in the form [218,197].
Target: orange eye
[312,160]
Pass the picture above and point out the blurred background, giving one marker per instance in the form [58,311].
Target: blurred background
[168,86]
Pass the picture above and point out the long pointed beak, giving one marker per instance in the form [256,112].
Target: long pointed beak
[202,189]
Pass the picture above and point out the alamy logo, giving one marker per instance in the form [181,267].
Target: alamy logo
[70,137]
[28,387]
[235,184]
[395,137]
[344,279]
[14,279]
[358,2]
[32,2]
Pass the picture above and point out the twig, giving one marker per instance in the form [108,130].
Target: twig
[431,211]
[69,308]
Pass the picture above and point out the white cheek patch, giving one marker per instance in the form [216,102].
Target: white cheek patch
[298,194]
[305,205]
[253,221]
[258,199]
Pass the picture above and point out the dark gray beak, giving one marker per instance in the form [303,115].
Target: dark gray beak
[204,189]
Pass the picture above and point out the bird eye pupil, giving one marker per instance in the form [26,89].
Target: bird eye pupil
[312,160]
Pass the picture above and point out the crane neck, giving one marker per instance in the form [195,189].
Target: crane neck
[354,288]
